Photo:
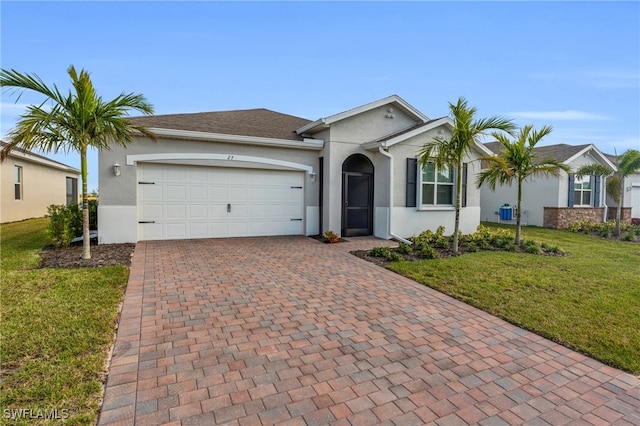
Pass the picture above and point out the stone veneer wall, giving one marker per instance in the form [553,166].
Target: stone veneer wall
[625,215]
[561,217]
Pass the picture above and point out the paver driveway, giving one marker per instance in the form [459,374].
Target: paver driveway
[292,331]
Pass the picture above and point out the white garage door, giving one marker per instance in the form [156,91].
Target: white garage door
[635,201]
[183,202]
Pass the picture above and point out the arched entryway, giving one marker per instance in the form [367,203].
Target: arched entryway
[357,196]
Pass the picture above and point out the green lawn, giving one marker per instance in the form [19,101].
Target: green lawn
[588,301]
[57,326]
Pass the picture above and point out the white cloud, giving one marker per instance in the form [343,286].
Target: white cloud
[570,114]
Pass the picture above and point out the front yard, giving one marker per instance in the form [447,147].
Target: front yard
[588,300]
[57,326]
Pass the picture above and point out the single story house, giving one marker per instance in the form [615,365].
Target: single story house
[630,196]
[31,183]
[552,202]
[260,173]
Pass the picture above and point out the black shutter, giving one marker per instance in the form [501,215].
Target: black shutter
[596,191]
[572,188]
[412,182]
[464,184]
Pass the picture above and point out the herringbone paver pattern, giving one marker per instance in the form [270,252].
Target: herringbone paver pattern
[292,331]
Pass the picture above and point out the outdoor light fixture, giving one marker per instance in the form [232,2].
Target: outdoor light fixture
[116,169]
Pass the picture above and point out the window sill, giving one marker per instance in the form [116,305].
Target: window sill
[436,208]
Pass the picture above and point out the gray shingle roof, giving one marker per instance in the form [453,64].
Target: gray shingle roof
[33,154]
[250,122]
[560,152]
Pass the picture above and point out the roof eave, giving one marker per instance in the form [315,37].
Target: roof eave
[306,143]
[594,150]
[44,161]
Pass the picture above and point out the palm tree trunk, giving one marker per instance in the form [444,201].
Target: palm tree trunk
[456,227]
[518,211]
[616,231]
[86,240]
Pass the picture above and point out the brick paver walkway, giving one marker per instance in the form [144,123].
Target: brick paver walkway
[292,331]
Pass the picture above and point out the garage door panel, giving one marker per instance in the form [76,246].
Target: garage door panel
[176,211]
[198,211]
[151,192]
[191,202]
[176,192]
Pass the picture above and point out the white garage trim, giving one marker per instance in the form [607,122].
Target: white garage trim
[133,159]
[306,143]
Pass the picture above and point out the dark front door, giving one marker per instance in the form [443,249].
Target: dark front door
[357,201]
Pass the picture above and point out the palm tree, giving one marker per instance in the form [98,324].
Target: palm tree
[72,122]
[517,161]
[628,163]
[451,152]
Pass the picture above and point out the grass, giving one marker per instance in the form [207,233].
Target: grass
[588,301]
[57,326]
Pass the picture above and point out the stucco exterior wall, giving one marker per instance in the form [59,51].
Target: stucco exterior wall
[118,194]
[42,186]
[537,194]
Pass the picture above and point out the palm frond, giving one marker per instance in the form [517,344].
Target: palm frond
[629,162]
[593,170]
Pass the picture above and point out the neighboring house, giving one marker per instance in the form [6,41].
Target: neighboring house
[631,196]
[30,183]
[553,202]
[258,172]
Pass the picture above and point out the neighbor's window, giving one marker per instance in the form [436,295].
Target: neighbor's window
[17,179]
[582,191]
[72,190]
[437,185]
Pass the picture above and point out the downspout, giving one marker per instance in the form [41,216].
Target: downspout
[393,236]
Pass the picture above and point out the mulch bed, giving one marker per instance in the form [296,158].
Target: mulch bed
[101,255]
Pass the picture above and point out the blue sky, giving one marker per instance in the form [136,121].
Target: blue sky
[573,65]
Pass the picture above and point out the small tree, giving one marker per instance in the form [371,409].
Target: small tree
[451,152]
[517,162]
[627,164]
[74,122]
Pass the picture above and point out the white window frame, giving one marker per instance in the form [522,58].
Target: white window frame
[18,183]
[581,181]
[435,205]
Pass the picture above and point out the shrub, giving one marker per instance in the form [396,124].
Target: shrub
[385,253]
[531,246]
[331,237]
[428,252]
[65,224]
[404,248]
[629,236]
[93,214]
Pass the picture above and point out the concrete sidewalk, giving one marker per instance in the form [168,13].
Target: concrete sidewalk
[288,330]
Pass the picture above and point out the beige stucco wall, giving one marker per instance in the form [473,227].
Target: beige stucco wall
[42,186]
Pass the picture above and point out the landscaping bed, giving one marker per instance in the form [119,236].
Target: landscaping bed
[101,255]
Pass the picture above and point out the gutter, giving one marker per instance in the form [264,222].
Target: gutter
[604,199]
[393,236]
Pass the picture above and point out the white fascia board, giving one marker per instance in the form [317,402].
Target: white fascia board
[484,150]
[593,150]
[364,108]
[306,143]
[44,162]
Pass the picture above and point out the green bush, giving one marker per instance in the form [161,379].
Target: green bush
[404,248]
[629,236]
[63,226]
[531,246]
[428,252]
[385,253]
[93,214]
